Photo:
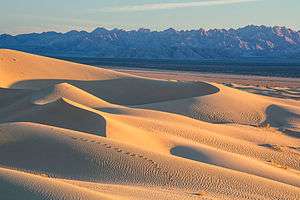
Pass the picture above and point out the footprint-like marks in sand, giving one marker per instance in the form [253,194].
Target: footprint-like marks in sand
[127,153]
[275,147]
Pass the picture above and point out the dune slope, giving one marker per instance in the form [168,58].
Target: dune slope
[71,131]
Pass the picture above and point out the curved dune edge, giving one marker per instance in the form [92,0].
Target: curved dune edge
[236,162]
[109,135]
[18,66]
[123,124]
[19,185]
[228,106]
[76,152]
[25,71]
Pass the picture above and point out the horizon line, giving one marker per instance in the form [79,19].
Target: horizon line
[153,30]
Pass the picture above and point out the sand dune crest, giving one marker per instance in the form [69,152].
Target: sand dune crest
[72,131]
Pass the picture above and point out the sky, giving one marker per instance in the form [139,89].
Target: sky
[25,16]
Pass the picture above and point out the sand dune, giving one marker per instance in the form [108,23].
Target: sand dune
[215,108]
[71,131]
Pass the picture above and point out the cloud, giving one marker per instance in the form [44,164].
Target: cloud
[169,6]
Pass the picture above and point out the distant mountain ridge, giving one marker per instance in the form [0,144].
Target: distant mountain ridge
[250,41]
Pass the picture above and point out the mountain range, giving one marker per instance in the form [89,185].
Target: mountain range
[247,42]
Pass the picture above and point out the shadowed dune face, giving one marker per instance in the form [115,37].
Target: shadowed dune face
[190,153]
[86,121]
[226,106]
[70,131]
[9,96]
[130,91]
[284,119]
[25,71]
[60,113]
[231,161]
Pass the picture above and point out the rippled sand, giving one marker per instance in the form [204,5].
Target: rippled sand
[71,131]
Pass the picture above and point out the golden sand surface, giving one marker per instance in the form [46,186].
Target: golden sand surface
[72,131]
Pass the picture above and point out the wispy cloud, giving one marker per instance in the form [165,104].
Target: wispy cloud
[168,6]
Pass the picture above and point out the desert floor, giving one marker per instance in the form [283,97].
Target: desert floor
[72,131]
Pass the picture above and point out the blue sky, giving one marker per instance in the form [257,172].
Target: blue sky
[23,16]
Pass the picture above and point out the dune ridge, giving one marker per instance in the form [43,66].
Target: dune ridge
[71,131]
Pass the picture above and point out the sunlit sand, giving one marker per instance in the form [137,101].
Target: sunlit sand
[72,131]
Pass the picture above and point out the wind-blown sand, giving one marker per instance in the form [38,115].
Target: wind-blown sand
[71,131]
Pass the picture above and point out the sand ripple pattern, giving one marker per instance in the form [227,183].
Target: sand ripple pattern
[71,131]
